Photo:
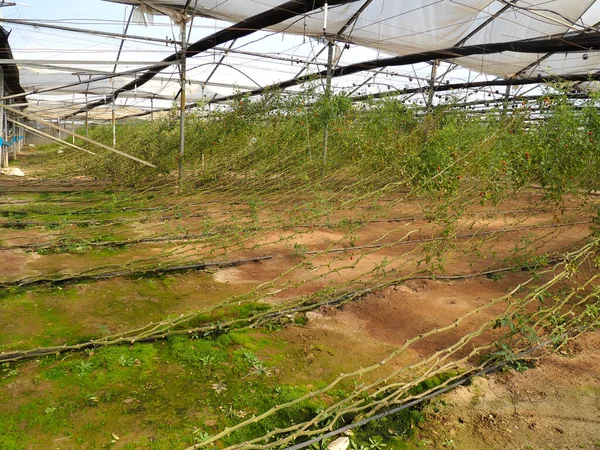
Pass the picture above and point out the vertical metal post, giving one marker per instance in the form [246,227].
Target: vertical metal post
[182,72]
[432,85]
[73,129]
[506,98]
[86,118]
[3,154]
[330,44]
[19,141]
[113,115]
[6,133]
[16,141]
[328,98]
[114,127]
[152,109]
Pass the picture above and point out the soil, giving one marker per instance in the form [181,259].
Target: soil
[33,185]
[555,405]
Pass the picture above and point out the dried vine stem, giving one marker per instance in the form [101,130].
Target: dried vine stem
[166,328]
[412,401]
[396,395]
[407,240]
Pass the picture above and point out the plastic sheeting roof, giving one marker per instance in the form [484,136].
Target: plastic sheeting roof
[401,27]
[375,29]
[159,89]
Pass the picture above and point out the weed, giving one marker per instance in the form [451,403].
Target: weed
[250,358]
[126,361]
[219,388]
[300,250]
[84,367]
[200,436]
[376,443]
[9,371]
[91,399]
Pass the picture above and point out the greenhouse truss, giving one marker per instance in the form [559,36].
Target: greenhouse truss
[128,63]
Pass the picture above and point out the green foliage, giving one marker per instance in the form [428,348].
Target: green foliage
[255,147]
[567,154]
[277,140]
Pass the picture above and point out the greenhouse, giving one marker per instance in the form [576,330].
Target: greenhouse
[320,224]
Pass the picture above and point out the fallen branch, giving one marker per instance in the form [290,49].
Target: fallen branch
[427,395]
[162,330]
[445,238]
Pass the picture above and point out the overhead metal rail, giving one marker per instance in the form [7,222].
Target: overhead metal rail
[244,28]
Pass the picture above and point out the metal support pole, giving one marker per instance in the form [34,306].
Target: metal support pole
[6,134]
[87,132]
[151,109]
[506,98]
[19,143]
[16,141]
[328,98]
[3,153]
[432,85]
[114,120]
[330,44]
[114,127]
[182,69]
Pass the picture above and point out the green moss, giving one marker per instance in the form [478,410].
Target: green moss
[432,382]
[197,352]
[249,340]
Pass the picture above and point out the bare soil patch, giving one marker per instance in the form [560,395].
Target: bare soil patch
[556,405]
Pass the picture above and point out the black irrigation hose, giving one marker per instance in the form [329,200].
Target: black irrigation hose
[252,322]
[193,237]
[35,223]
[31,188]
[131,273]
[84,211]
[201,266]
[356,295]
[188,237]
[419,400]
[421,217]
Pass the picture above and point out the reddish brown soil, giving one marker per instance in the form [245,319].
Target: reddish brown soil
[553,406]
